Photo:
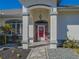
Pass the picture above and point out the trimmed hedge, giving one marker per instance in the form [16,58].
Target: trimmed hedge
[70,44]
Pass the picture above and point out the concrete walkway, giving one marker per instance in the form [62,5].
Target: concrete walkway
[41,51]
[38,53]
[62,53]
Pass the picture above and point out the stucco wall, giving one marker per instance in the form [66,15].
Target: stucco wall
[3,20]
[68,24]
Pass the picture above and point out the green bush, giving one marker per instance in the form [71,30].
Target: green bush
[70,44]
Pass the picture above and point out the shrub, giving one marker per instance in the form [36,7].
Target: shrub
[1,57]
[70,44]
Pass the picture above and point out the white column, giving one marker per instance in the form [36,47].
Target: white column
[53,28]
[25,28]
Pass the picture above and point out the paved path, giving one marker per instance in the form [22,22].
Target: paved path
[39,53]
[62,53]
[43,52]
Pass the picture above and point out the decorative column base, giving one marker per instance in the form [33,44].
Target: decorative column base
[25,46]
[53,44]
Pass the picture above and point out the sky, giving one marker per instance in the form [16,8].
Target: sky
[69,2]
[9,4]
[15,4]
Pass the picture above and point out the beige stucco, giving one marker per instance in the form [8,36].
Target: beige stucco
[35,13]
[55,1]
[11,12]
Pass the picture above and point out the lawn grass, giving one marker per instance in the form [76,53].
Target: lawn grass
[76,50]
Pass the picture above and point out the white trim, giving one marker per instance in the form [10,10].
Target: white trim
[25,10]
[53,11]
[34,7]
[53,28]
[25,32]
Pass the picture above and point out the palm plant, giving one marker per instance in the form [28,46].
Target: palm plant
[1,36]
[5,29]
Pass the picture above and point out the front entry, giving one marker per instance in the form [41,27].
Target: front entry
[41,31]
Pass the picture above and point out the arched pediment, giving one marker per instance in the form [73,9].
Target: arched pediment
[29,3]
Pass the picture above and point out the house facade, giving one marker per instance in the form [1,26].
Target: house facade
[42,21]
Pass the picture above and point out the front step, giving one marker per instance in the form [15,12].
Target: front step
[36,44]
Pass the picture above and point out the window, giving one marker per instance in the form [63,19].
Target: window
[17,27]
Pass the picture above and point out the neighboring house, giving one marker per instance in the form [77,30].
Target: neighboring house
[43,20]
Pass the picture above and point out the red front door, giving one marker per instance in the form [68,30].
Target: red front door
[41,33]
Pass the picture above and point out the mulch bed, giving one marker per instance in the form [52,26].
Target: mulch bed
[14,53]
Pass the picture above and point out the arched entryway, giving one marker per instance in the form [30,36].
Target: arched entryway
[40,19]
[32,14]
